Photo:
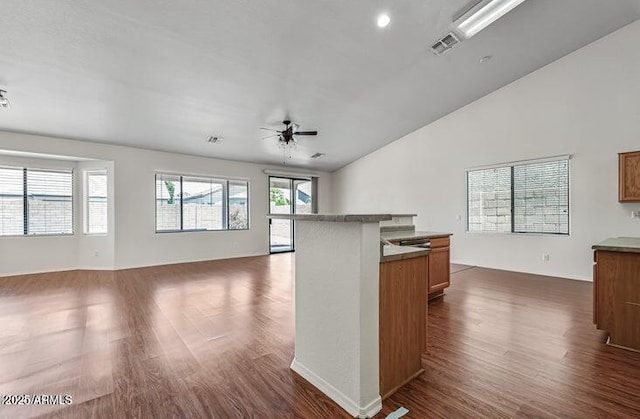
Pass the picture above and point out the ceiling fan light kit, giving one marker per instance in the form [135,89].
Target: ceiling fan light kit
[286,138]
[4,100]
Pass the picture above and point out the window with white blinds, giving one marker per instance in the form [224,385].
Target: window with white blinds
[35,201]
[11,201]
[96,202]
[186,203]
[523,197]
[541,197]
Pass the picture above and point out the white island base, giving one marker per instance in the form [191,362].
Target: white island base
[337,302]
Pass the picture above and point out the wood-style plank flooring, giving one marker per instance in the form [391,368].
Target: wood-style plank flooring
[215,339]
[504,344]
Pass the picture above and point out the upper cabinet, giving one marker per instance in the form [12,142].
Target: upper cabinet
[629,176]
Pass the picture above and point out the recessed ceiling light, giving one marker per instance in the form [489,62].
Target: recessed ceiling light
[383,20]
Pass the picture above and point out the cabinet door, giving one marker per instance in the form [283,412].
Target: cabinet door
[595,288]
[629,176]
[439,269]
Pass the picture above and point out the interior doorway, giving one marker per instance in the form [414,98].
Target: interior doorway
[287,196]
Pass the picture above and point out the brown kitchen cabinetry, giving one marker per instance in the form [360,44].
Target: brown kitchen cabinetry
[439,267]
[616,295]
[403,321]
[629,176]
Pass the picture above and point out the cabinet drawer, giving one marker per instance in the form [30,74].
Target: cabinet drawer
[439,242]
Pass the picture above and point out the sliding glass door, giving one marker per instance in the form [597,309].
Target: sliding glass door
[287,196]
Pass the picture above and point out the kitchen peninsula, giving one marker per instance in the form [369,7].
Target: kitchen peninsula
[360,309]
[401,231]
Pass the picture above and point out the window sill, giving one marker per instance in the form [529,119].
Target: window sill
[199,230]
[511,233]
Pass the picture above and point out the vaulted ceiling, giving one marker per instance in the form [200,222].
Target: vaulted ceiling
[167,74]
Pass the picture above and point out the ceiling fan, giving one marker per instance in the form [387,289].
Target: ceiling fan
[286,136]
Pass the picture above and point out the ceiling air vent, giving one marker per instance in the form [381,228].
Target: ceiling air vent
[318,155]
[445,43]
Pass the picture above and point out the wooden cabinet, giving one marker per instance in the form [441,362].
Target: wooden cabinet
[629,176]
[439,267]
[403,321]
[616,293]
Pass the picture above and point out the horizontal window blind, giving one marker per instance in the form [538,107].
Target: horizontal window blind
[11,201]
[489,199]
[97,213]
[541,197]
[523,197]
[49,202]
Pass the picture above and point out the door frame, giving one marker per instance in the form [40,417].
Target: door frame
[292,204]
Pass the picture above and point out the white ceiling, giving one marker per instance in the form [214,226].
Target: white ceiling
[166,74]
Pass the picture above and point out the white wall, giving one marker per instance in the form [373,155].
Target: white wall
[586,104]
[336,338]
[135,241]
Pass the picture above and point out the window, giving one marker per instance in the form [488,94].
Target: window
[238,205]
[185,203]
[36,202]
[524,197]
[96,203]
[11,202]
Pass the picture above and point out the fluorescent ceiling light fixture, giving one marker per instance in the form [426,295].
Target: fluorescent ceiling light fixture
[483,14]
[383,20]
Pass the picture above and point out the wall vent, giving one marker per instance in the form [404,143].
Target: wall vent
[445,43]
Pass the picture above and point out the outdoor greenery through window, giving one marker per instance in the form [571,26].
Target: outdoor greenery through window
[187,203]
[520,198]
[35,201]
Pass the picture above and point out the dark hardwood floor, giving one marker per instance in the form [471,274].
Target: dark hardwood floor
[504,344]
[215,339]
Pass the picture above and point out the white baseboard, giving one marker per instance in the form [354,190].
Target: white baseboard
[529,271]
[371,409]
[350,406]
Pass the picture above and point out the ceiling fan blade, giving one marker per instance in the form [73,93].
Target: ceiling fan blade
[270,136]
[307,133]
[270,129]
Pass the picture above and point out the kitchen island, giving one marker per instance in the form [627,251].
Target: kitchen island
[337,267]
[360,309]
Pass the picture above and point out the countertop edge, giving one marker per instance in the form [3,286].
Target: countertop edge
[622,249]
[619,244]
[398,235]
[345,218]
[407,252]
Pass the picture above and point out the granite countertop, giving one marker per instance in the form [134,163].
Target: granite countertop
[345,218]
[619,244]
[392,253]
[409,234]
